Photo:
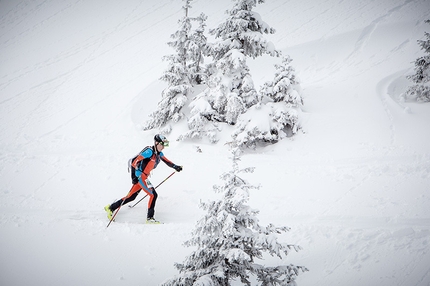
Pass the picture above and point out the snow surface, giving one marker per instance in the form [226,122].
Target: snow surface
[78,78]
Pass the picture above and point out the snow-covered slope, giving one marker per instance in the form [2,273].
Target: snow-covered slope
[77,78]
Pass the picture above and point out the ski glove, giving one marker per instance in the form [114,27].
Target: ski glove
[177,168]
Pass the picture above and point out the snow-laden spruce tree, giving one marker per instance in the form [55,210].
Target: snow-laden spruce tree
[184,69]
[420,91]
[285,87]
[229,241]
[240,36]
[277,115]
[197,48]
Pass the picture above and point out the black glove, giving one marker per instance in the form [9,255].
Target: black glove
[177,168]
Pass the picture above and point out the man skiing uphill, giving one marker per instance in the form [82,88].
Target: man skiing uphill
[143,164]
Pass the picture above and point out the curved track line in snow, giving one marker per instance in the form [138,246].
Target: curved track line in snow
[387,102]
[367,32]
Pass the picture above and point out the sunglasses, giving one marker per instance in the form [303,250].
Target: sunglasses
[165,143]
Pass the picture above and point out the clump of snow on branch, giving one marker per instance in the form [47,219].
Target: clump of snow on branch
[276,116]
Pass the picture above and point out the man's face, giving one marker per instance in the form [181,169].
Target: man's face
[159,147]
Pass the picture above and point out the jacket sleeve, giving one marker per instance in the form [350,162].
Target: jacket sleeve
[167,161]
[147,153]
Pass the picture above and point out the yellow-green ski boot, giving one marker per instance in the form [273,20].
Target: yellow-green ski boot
[152,221]
[109,212]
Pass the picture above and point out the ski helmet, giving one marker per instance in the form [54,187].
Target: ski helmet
[161,139]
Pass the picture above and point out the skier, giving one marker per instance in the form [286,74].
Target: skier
[143,164]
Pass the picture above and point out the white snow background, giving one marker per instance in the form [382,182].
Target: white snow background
[78,79]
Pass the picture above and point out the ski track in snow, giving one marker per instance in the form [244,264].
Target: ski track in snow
[353,187]
[369,30]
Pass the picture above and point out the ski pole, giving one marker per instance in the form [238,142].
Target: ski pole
[117,210]
[154,188]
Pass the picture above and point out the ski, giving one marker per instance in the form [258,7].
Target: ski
[153,221]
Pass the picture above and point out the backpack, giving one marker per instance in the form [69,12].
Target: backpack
[130,161]
[132,170]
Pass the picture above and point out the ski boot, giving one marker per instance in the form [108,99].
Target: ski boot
[109,212]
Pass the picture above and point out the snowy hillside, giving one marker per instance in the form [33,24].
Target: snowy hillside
[79,78]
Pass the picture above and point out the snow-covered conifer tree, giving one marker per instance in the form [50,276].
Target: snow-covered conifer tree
[240,36]
[197,47]
[420,91]
[277,116]
[285,87]
[184,69]
[285,91]
[229,241]
[243,30]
